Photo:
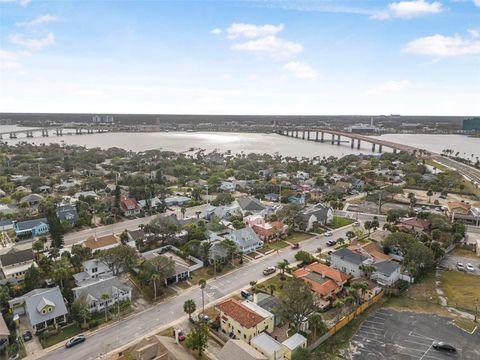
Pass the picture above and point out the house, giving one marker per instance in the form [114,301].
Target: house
[414,225]
[4,333]
[272,197]
[228,186]
[15,263]
[250,205]
[6,225]
[302,175]
[182,267]
[67,213]
[35,227]
[268,346]
[269,231]
[92,269]
[95,242]
[297,199]
[246,239]
[239,350]
[85,194]
[369,249]
[325,281]
[386,272]
[459,210]
[222,212]
[136,235]
[157,348]
[315,214]
[129,207]
[43,307]
[294,342]
[177,200]
[102,291]
[240,322]
[31,199]
[152,203]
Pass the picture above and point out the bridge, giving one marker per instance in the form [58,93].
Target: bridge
[335,136]
[58,131]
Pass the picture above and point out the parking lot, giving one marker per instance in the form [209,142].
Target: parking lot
[450,262]
[388,334]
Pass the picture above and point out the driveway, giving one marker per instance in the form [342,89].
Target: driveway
[388,334]
[450,262]
[156,317]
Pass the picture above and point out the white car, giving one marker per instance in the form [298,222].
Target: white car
[328,233]
[470,267]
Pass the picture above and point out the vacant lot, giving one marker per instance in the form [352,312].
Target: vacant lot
[297,237]
[461,289]
[389,334]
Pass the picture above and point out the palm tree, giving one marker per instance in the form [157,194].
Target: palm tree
[105,299]
[203,284]
[154,279]
[189,307]
[367,269]
[205,248]
[272,288]
[183,210]
[283,265]
[315,321]
[350,235]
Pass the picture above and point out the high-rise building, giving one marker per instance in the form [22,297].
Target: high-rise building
[471,124]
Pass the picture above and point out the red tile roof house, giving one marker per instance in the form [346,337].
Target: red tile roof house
[129,207]
[324,280]
[414,225]
[269,231]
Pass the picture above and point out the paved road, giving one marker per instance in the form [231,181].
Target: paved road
[160,315]
[80,236]
[465,170]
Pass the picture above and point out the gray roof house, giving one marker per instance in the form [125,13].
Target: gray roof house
[249,204]
[246,239]
[101,292]
[6,225]
[387,272]
[31,199]
[15,263]
[348,261]
[42,307]
[317,213]
[239,350]
[67,214]
[92,269]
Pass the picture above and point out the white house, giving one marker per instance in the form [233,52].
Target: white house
[317,213]
[246,239]
[228,186]
[92,269]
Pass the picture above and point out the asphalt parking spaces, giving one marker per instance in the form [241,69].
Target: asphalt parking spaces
[389,334]
[450,262]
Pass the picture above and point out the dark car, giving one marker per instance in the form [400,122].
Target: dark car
[75,341]
[245,294]
[295,246]
[440,345]
[331,242]
[27,336]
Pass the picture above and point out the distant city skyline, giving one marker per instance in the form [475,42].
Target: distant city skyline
[418,57]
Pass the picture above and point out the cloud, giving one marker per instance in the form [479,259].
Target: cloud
[409,9]
[251,31]
[32,43]
[443,46]
[216,31]
[391,86]
[271,45]
[477,2]
[21,2]
[302,70]
[9,60]
[44,19]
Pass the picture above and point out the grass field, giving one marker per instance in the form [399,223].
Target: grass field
[297,237]
[64,334]
[273,246]
[461,289]
[339,221]
[264,286]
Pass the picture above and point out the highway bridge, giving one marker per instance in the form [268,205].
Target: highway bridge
[334,137]
[58,131]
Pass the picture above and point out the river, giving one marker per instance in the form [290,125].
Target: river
[249,142]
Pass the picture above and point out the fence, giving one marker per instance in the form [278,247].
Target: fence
[345,320]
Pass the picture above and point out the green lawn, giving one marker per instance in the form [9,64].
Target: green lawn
[208,272]
[461,289]
[264,286]
[297,237]
[273,246]
[64,334]
[339,221]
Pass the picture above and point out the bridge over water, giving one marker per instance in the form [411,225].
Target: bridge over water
[335,137]
[58,131]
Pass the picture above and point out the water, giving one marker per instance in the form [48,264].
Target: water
[250,142]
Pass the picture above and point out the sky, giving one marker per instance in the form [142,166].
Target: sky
[312,57]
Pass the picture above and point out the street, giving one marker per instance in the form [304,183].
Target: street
[123,332]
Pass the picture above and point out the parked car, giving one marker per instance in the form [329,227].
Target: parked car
[27,336]
[295,246]
[460,266]
[470,267]
[75,341]
[269,270]
[331,242]
[440,345]
[328,233]
[245,294]
[181,335]
[356,224]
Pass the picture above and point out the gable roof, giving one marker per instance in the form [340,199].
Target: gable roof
[67,212]
[386,267]
[95,288]
[239,350]
[319,211]
[416,222]
[250,204]
[15,256]
[350,256]
[240,313]
[457,204]
[94,242]
[38,297]
[266,343]
[30,224]
[294,341]
[326,271]
[244,237]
